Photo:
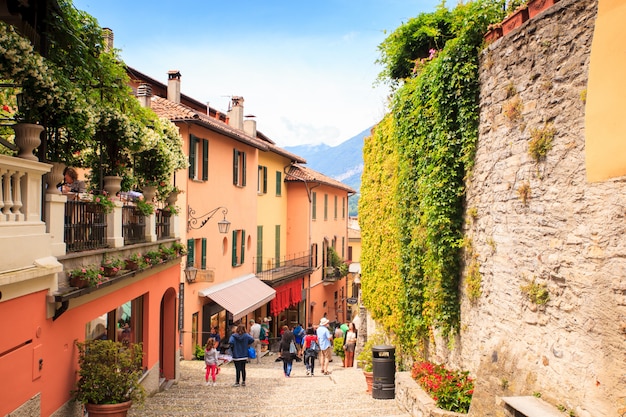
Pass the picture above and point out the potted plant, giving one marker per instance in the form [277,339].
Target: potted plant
[167,253]
[111,266]
[109,376]
[103,202]
[135,261]
[84,277]
[179,248]
[145,208]
[153,257]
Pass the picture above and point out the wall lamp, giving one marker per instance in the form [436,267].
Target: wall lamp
[193,221]
[190,273]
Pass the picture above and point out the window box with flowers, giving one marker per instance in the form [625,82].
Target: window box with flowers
[112,266]
[451,390]
[153,257]
[135,262]
[86,277]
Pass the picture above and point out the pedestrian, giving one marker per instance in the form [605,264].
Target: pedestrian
[265,333]
[326,346]
[71,183]
[349,346]
[210,360]
[298,333]
[310,353]
[240,341]
[255,332]
[288,350]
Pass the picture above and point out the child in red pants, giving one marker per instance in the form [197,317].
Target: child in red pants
[210,360]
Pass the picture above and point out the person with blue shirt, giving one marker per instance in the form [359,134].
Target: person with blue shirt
[240,341]
[299,334]
[325,339]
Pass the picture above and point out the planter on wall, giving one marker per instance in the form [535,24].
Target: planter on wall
[537,6]
[514,20]
[493,34]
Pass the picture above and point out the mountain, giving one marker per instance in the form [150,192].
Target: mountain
[343,162]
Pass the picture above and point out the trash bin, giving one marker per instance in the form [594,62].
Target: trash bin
[384,369]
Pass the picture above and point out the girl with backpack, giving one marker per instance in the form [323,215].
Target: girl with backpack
[311,347]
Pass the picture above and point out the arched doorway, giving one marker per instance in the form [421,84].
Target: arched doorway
[167,342]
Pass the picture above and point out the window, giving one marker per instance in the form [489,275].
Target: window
[239,247]
[277,245]
[262,180]
[239,168]
[198,158]
[325,206]
[313,205]
[123,324]
[279,183]
[350,253]
[335,207]
[259,248]
[196,258]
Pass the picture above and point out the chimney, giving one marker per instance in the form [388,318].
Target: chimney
[173,86]
[249,126]
[235,113]
[144,95]
[108,39]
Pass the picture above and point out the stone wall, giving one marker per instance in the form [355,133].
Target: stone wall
[568,236]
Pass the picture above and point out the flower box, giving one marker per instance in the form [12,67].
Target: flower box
[537,6]
[514,20]
[411,397]
[493,34]
[78,282]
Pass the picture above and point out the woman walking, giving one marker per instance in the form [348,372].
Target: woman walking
[349,345]
[288,350]
[310,352]
[239,342]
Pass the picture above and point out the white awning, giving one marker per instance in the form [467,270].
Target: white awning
[241,295]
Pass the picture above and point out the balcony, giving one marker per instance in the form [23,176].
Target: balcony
[42,234]
[272,270]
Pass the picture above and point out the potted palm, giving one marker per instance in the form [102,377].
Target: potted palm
[109,377]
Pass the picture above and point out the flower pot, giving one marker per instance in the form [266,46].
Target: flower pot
[537,6]
[54,177]
[515,20]
[493,34]
[78,282]
[108,410]
[149,191]
[109,271]
[171,199]
[112,184]
[131,265]
[27,139]
[369,380]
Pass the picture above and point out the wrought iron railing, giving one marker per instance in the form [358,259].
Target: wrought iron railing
[85,226]
[163,221]
[133,225]
[273,269]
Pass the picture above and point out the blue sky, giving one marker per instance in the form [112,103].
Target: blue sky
[306,69]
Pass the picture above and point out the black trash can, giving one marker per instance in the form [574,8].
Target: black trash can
[384,369]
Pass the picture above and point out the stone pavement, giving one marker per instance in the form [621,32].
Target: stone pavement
[268,393]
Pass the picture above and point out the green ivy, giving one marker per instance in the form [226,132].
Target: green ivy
[416,162]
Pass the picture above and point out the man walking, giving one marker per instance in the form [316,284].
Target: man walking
[324,338]
[255,332]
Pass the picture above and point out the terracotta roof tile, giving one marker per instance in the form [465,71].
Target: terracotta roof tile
[179,112]
[299,173]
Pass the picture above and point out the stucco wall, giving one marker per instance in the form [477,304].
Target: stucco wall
[569,236]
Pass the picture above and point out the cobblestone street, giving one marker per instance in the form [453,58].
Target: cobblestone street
[268,393]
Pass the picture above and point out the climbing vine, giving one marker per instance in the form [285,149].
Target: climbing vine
[433,123]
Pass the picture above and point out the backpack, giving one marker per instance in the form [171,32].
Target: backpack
[314,346]
[262,334]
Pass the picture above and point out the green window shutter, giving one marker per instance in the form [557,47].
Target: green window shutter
[190,249]
[279,183]
[277,245]
[234,255]
[259,248]
[343,207]
[192,156]
[243,246]
[335,207]
[235,167]
[314,206]
[243,169]
[325,206]
[203,259]
[205,159]
[264,180]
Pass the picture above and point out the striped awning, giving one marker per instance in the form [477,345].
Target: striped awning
[240,296]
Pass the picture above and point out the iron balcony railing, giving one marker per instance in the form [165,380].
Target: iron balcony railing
[273,269]
[133,225]
[163,220]
[85,226]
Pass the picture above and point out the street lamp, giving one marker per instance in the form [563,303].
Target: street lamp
[192,221]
